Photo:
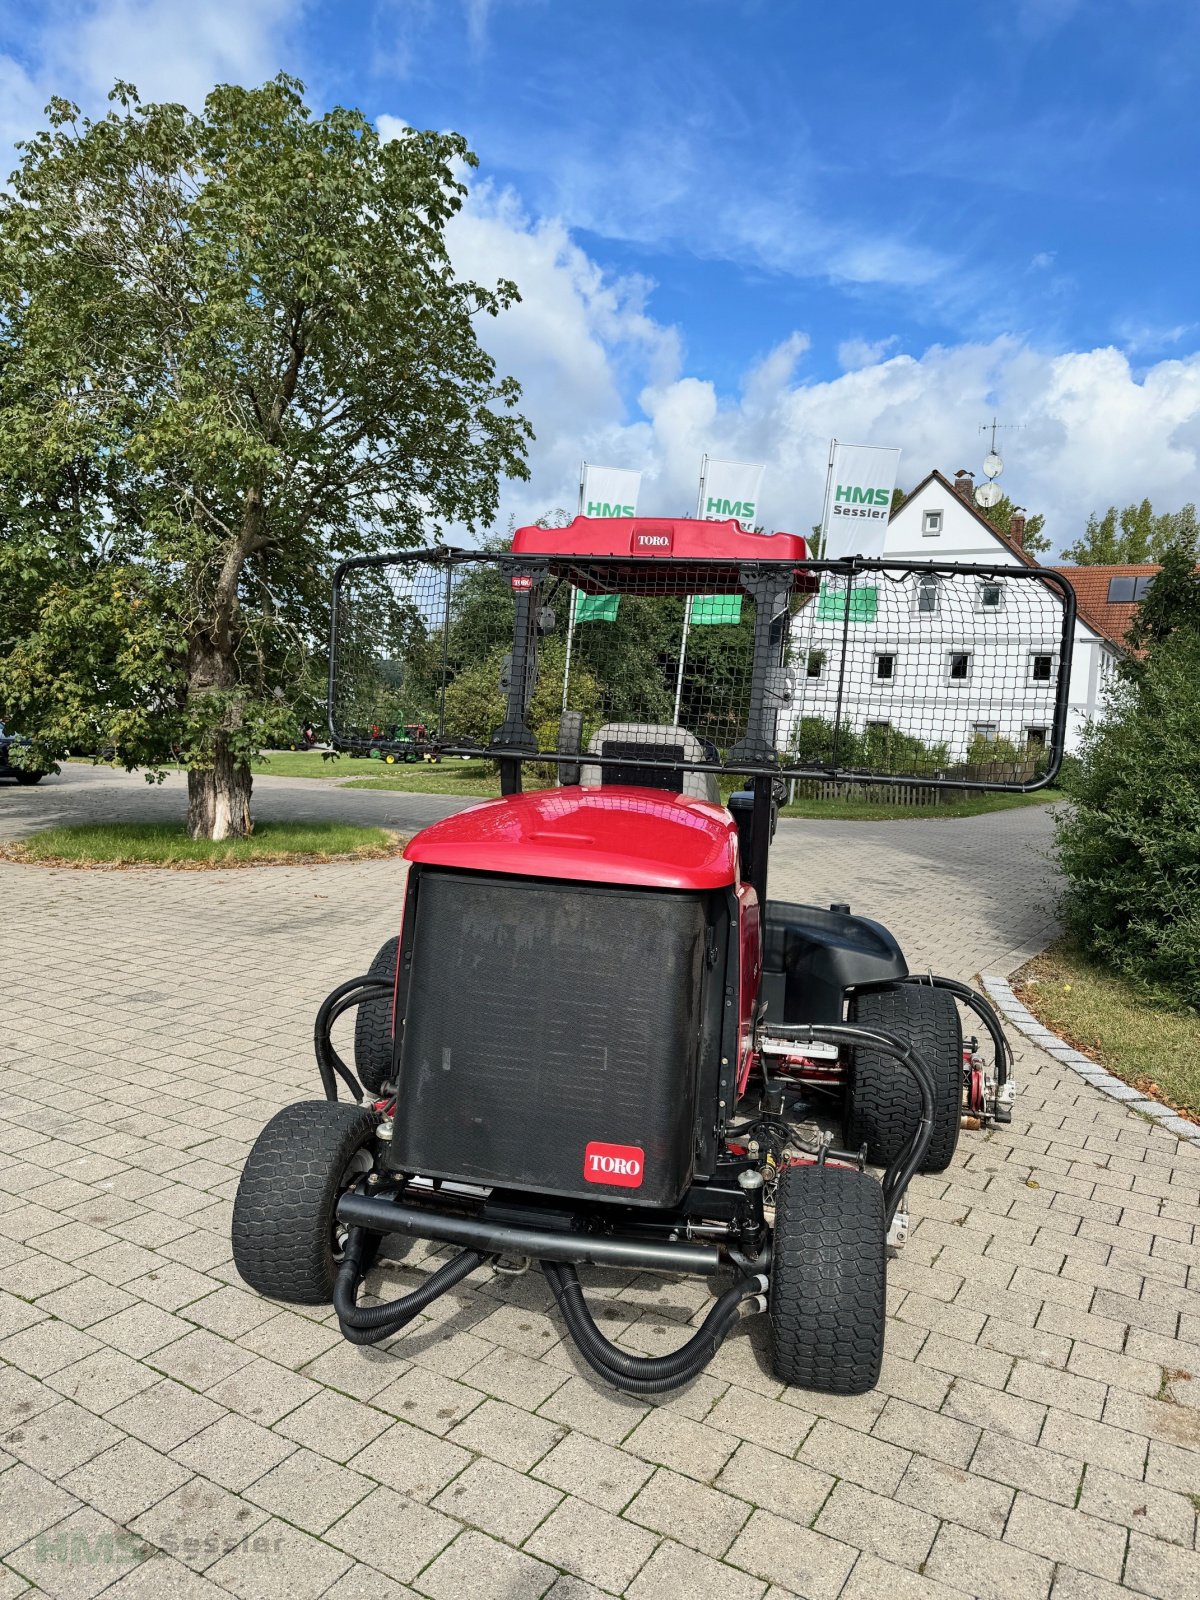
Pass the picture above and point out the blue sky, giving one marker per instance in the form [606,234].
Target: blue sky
[746,227]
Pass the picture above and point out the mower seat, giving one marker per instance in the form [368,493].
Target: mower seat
[662,743]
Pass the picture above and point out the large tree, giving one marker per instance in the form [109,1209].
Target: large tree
[1034,542]
[232,348]
[1133,535]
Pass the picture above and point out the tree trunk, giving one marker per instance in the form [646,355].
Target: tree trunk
[219,798]
[219,794]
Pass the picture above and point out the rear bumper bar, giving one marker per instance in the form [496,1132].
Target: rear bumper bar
[382,1215]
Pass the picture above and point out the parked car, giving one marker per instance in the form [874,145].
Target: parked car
[8,769]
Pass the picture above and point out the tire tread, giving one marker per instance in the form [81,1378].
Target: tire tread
[828,1280]
[883,1104]
[283,1209]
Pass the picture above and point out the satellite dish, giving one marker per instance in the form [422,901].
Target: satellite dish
[988,495]
[993,466]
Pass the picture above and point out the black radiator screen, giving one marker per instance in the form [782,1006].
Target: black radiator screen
[551,1037]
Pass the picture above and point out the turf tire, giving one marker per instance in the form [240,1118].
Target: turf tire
[283,1212]
[373,1025]
[882,1101]
[828,1280]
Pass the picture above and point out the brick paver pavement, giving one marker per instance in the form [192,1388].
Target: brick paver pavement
[1036,1429]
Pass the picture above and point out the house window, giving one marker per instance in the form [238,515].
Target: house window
[1128,591]
[1041,668]
[885,666]
[931,524]
[927,593]
[816,663]
[960,666]
[987,731]
[1035,738]
[990,596]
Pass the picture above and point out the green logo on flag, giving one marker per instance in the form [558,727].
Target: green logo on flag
[855,496]
[709,609]
[831,604]
[743,510]
[596,607]
[602,508]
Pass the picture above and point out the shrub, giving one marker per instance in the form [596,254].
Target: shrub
[1130,845]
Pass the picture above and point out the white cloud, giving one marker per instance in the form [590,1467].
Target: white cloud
[855,353]
[604,380]
[77,48]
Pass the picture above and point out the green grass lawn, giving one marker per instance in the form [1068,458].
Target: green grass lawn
[956,805]
[479,779]
[305,764]
[1142,1040]
[164,844]
[450,776]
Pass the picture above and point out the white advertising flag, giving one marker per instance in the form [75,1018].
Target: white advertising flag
[730,489]
[608,491]
[858,500]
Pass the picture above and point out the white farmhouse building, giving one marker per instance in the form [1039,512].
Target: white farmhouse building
[949,660]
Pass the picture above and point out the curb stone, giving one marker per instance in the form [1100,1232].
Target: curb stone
[1000,990]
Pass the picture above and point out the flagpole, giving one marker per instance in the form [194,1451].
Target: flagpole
[570,638]
[825,502]
[687,607]
[571,611]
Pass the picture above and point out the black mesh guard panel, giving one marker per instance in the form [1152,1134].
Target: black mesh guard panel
[543,1019]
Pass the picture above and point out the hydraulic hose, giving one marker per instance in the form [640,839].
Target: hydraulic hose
[329,1064]
[646,1374]
[983,1009]
[898,1176]
[370,1324]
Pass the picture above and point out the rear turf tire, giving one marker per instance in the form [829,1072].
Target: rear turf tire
[373,1025]
[882,1101]
[284,1241]
[828,1280]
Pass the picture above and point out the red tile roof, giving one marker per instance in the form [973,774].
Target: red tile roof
[1110,619]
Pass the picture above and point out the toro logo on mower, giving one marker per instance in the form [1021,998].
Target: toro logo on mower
[619,1164]
[652,540]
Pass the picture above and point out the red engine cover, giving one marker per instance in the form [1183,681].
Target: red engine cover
[608,835]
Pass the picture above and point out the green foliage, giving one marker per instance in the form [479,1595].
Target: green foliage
[1130,845]
[1172,602]
[875,749]
[1003,761]
[1133,535]
[1035,542]
[232,350]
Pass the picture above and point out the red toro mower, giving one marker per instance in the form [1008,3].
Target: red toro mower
[595,1038]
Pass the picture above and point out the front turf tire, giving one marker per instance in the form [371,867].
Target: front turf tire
[284,1242]
[828,1280]
[882,1100]
[373,1024]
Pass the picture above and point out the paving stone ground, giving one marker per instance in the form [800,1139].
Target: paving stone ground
[1036,1431]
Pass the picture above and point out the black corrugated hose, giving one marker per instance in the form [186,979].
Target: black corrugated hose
[647,1374]
[370,1324]
[344,998]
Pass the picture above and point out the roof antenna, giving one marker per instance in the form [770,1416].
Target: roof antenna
[990,494]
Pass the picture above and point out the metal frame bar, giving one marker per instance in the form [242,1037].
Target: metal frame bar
[848,567]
